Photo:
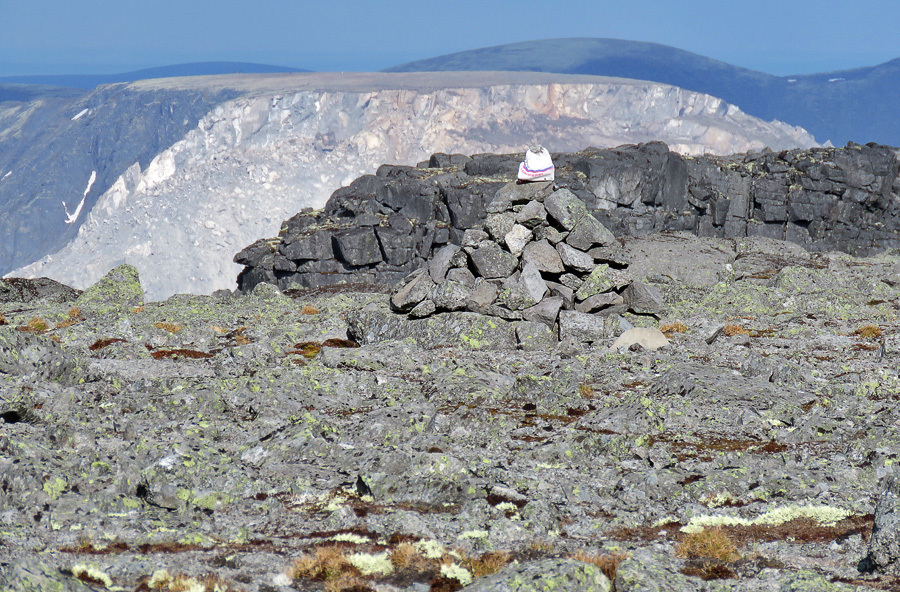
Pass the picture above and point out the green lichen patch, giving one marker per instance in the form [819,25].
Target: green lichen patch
[118,291]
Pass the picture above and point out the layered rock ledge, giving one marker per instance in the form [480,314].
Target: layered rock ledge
[383,226]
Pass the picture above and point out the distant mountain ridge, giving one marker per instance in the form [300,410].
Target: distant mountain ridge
[848,105]
[89,81]
[236,167]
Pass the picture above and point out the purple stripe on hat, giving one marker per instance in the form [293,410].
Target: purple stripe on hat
[528,170]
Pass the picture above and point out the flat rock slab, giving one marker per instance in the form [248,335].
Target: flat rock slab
[466,329]
[549,574]
[679,256]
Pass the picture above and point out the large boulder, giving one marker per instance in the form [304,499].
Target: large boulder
[119,290]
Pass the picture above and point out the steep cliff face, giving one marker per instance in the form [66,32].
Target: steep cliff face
[59,155]
[255,160]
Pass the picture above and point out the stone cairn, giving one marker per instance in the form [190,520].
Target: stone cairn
[539,256]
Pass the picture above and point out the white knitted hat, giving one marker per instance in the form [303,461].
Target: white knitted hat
[538,165]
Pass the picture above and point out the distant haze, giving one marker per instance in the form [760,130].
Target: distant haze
[109,36]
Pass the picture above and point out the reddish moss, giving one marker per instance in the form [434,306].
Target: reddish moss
[180,353]
[101,343]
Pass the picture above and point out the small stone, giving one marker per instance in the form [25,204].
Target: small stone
[543,256]
[514,298]
[550,234]
[499,225]
[588,233]
[580,327]
[533,336]
[504,313]
[643,298]
[646,337]
[515,193]
[575,259]
[571,281]
[532,283]
[411,290]
[493,262]
[318,245]
[599,301]
[357,246]
[546,311]
[613,254]
[481,297]
[440,262]
[564,292]
[532,215]
[473,236]
[460,259]
[461,275]
[426,308]
[517,238]
[566,208]
[598,281]
[449,295]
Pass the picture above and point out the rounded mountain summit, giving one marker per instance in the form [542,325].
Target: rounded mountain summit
[853,105]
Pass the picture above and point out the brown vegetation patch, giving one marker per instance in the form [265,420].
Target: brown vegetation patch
[607,562]
[183,583]
[494,500]
[310,349]
[685,450]
[172,547]
[708,569]
[531,438]
[799,530]
[711,543]
[865,347]
[804,530]
[36,325]
[487,564]
[670,329]
[180,353]
[237,336]
[73,317]
[88,548]
[732,330]
[868,332]
[645,533]
[101,343]
[170,327]
[327,563]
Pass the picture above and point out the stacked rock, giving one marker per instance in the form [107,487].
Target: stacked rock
[539,256]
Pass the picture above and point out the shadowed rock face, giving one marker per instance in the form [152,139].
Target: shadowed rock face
[383,226]
[58,157]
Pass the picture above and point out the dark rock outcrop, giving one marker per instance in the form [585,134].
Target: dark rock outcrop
[36,290]
[383,226]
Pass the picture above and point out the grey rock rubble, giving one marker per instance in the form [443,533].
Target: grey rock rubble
[220,438]
[536,404]
[507,270]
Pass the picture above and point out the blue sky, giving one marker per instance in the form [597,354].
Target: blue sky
[108,36]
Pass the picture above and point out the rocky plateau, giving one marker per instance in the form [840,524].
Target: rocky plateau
[723,416]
